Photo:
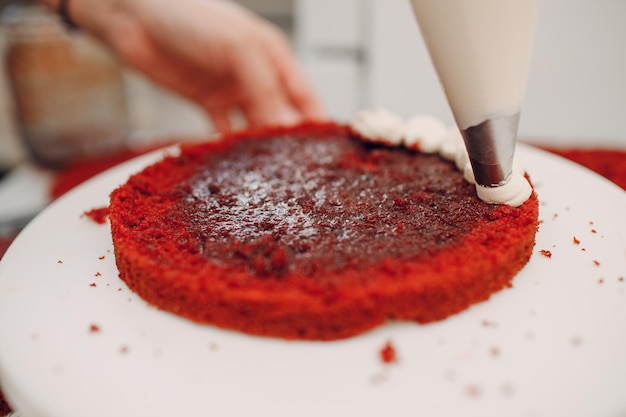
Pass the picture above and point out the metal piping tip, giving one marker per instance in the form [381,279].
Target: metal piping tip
[491,146]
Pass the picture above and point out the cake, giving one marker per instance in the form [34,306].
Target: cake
[311,232]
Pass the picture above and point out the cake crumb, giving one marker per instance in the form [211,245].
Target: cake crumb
[450,375]
[97,274]
[388,353]
[59,261]
[473,390]
[94,328]
[93,284]
[594,231]
[601,281]
[596,263]
[489,323]
[124,349]
[576,241]
[507,389]
[494,351]
[98,215]
[101,257]
[546,253]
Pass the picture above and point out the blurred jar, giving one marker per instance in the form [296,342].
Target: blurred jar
[68,91]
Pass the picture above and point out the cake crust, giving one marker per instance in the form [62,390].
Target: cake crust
[310,233]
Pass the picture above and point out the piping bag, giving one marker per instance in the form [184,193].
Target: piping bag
[481,52]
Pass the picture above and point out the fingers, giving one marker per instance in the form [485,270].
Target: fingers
[279,92]
[296,85]
[265,100]
[220,118]
[214,53]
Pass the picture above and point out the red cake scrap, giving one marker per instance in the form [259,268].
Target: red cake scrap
[473,390]
[98,215]
[388,353]
[546,253]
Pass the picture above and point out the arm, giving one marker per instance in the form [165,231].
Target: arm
[213,52]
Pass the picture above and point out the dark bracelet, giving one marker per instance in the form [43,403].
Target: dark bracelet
[65,15]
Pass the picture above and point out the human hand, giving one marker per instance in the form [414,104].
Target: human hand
[214,52]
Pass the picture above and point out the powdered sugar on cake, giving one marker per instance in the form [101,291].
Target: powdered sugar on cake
[429,135]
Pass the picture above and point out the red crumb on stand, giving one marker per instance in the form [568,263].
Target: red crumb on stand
[388,353]
[473,390]
[93,284]
[489,323]
[98,215]
[596,263]
[494,351]
[546,253]
[576,241]
[94,328]
[576,341]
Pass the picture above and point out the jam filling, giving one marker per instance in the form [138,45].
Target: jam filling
[324,203]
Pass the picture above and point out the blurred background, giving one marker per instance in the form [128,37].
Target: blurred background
[366,53]
[62,88]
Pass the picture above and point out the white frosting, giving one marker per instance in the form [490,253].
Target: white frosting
[451,143]
[379,125]
[461,158]
[514,193]
[425,133]
[468,173]
[428,134]
[481,50]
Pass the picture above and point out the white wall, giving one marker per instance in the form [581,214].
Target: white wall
[577,87]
